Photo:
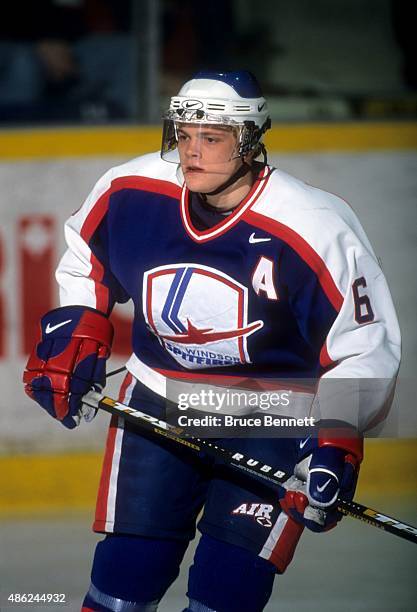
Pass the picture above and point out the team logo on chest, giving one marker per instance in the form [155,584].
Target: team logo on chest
[199,314]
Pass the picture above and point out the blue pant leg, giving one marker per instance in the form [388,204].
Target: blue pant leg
[132,573]
[228,578]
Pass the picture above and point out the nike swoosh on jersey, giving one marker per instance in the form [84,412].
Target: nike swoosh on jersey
[304,442]
[253,240]
[321,489]
[50,328]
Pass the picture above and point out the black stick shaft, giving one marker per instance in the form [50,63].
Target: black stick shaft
[241,461]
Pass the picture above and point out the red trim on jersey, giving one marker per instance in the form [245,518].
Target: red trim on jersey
[325,360]
[304,250]
[144,183]
[231,220]
[98,212]
[122,393]
[103,490]
[283,551]
[102,292]
[104,486]
[90,225]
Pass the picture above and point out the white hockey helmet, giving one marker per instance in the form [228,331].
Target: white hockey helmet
[226,99]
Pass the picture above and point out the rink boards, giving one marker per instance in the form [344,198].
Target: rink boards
[45,175]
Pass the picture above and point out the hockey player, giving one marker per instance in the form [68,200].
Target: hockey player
[236,270]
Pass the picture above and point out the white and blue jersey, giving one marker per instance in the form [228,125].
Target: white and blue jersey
[285,287]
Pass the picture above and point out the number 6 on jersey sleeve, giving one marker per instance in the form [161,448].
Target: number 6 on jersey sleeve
[363,308]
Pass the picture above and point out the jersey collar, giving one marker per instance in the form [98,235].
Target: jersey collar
[229,221]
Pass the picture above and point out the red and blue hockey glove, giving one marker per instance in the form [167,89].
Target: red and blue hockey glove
[68,360]
[327,469]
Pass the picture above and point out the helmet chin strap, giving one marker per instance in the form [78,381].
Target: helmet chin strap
[241,171]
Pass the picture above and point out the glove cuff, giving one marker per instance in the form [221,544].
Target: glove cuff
[78,322]
[346,438]
[95,325]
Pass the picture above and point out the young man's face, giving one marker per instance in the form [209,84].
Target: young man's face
[207,156]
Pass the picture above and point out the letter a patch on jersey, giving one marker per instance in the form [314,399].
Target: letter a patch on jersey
[263,278]
[199,314]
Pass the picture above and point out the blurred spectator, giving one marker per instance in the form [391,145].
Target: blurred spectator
[405,31]
[66,59]
[197,36]
[213,36]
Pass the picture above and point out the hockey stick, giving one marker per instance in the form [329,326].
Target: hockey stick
[241,461]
